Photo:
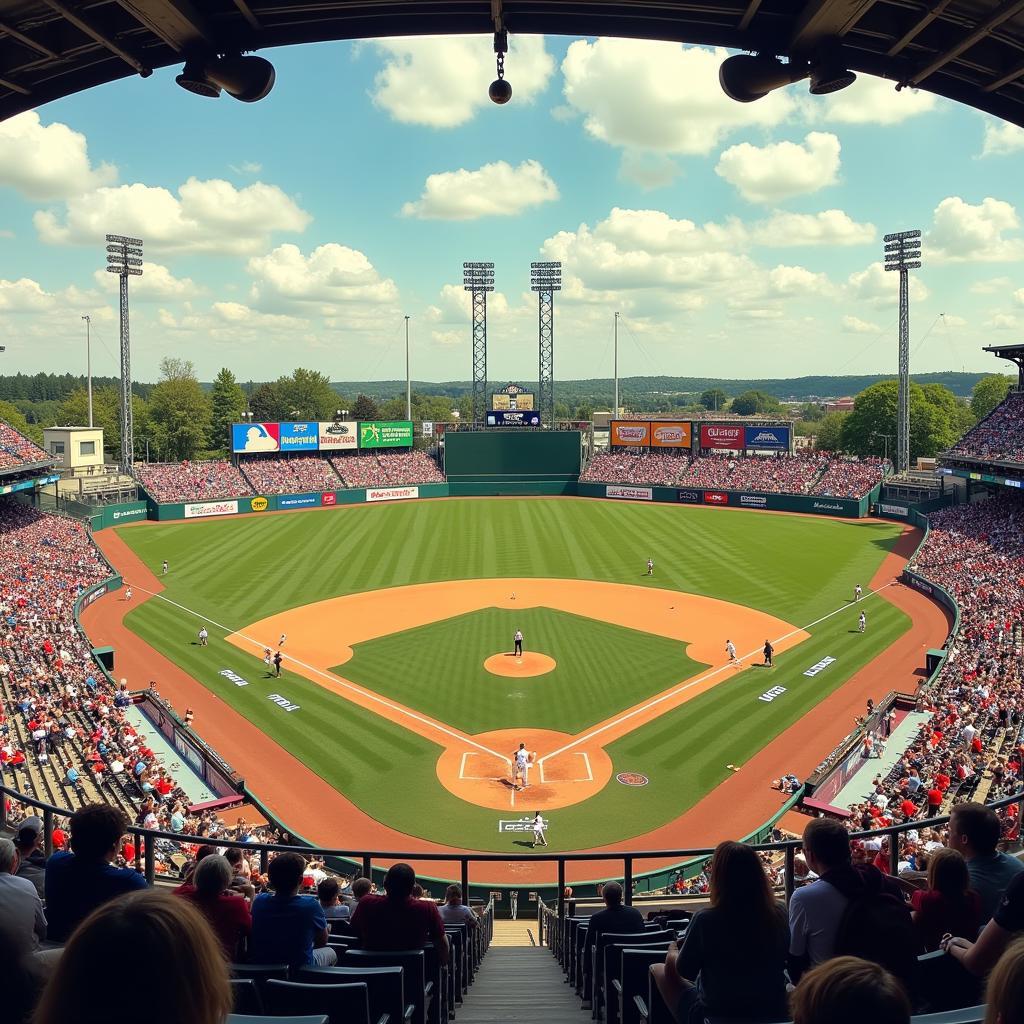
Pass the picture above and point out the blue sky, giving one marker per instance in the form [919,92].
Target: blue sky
[736,240]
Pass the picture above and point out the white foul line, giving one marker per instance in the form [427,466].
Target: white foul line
[344,683]
[700,679]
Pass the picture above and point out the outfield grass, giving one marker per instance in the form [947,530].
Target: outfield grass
[601,669]
[798,568]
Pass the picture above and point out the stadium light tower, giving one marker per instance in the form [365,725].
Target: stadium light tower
[478,278]
[545,280]
[124,258]
[903,253]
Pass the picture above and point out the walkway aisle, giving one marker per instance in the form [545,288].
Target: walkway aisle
[520,985]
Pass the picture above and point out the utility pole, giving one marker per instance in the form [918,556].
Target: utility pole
[408,379]
[88,363]
[615,407]
[903,253]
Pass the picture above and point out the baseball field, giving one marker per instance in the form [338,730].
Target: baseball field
[399,689]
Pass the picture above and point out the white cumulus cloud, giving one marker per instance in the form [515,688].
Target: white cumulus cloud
[829,227]
[780,170]
[495,190]
[156,284]
[659,96]
[854,325]
[441,81]
[880,288]
[872,100]
[205,216]
[977,232]
[1001,138]
[48,161]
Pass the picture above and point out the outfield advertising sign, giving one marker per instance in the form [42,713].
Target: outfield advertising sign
[391,493]
[634,493]
[894,510]
[510,418]
[298,500]
[629,433]
[301,436]
[670,435]
[201,509]
[716,498]
[255,437]
[774,438]
[690,497]
[339,434]
[385,434]
[328,498]
[717,435]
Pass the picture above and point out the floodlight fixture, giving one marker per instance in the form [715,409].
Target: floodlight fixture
[746,77]
[245,78]
[124,258]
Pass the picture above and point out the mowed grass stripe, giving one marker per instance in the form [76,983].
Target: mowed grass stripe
[237,571]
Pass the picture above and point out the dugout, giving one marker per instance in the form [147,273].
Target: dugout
[479,462]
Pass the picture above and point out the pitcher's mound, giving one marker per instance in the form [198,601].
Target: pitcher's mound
[520,666]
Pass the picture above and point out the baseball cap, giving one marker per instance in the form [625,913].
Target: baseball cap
[29,829]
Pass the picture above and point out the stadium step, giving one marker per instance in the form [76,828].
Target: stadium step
[520,985]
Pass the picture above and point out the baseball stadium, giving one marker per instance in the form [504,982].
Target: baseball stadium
[552,682]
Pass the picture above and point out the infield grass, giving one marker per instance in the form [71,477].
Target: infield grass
[236,571]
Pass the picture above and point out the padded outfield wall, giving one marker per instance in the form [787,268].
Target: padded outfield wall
[512,461]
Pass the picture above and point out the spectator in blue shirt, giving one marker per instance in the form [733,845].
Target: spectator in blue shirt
[288,928]
[79,882]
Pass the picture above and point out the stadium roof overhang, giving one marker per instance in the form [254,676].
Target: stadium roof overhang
[971,51]
[1015,354]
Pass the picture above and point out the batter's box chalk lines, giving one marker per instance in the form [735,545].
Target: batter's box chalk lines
[710,674]
[339,681]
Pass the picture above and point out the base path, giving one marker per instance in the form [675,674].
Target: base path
[321,814]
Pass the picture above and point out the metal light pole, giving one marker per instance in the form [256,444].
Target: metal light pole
[408,380]
[903,253]
[545,280]
[478,278]
[615,407]
[124,258]
[88,363]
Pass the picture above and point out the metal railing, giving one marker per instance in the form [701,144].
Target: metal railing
[145,851]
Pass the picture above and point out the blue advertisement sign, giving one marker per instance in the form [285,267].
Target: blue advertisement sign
[767,437]
[512,418]
[297,500]
[300,436]
[254,437]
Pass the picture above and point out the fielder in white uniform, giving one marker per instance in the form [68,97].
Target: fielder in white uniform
[539,825]
[730,649]
[522,767]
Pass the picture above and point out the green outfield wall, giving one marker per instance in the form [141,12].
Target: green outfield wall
[512,458]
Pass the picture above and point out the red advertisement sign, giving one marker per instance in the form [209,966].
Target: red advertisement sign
[328,498]
[716,498]
[716,435]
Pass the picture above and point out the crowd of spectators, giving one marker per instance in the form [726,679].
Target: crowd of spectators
[641,466]
[290,474]
[999,437]
[192,481]
[820,473]
[17,450]
[388,468]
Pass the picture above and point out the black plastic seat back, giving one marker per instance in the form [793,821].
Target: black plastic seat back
[245,997]
[414,974]
[343,1004]
[384,985]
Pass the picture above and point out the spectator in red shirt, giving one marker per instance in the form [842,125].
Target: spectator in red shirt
[397,921]
[941,781]
[908,807]
[227,912]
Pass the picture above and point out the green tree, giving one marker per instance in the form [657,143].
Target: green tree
[181,411]
[988,393]
[269,403]
[751,403]
[936,420]
[10,414]
[309,395]
[714,399]
[828,432]
[228,400]
[812,412]
[365,408]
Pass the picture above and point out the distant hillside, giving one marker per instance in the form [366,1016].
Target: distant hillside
[598,391]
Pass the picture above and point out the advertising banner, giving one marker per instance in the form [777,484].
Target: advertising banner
[716,498]
[385,434]
[753,501]
[894,510]
[774,438]
[391,493]
[339,434]
[328,498]
[512,418]
[298,500]
[670,435]
[255,437]
[690,497]
[717,435]
[199,509]
[259,504]
[302,436]
[629,433]
[636,493]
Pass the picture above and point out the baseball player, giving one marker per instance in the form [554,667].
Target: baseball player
[277,664]
[163,568]
[862,622]
[518,640]
[128,593]
[650,566]
[539,825]
[204,637]
[730,649]
[769,653]
[857,593]
[280,643]
[268,656]
[521,767]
